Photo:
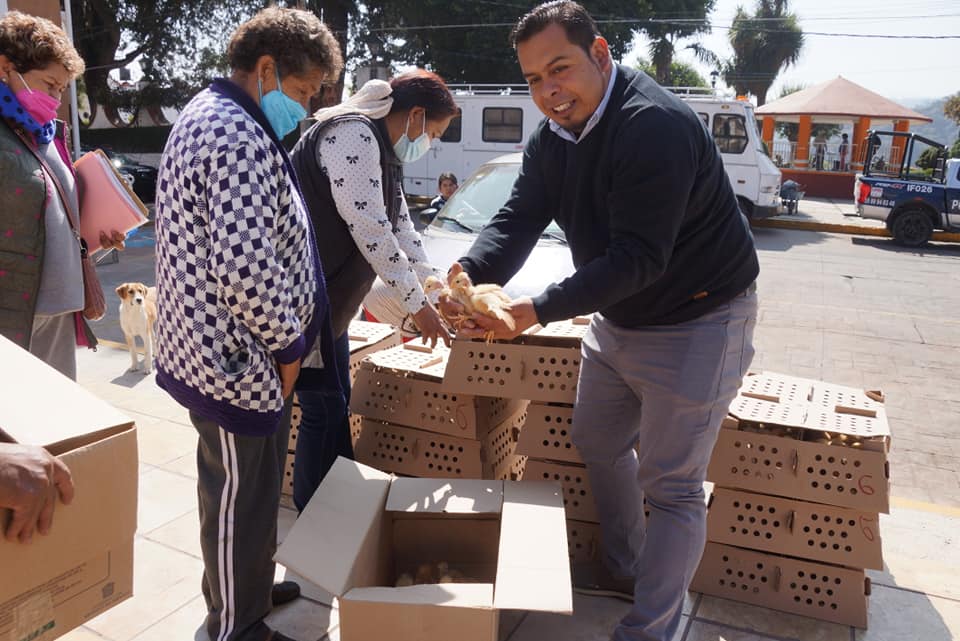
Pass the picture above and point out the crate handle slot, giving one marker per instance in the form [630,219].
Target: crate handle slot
[795,461]
[431,362]
[777,575]
[408,397]
[761,397]
[523,369]
[415,448]
[790,519]
[858,411]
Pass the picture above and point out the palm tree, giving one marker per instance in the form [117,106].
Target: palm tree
[691,17]
[763,45]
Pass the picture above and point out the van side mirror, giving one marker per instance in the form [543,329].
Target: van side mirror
[427,215]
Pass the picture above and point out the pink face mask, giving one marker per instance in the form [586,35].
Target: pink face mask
[41,107]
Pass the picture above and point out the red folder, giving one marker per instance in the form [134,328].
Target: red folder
[107,201]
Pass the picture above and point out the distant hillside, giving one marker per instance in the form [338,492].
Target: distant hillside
[941,129]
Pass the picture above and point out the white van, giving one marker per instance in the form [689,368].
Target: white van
[496,119]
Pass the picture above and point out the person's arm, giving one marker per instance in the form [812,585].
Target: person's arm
[31,479]
[352,163]
[243,208]
[654,170]
[411,244]
[502,247]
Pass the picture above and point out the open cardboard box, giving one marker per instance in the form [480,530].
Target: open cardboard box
[363,529]
[85,565]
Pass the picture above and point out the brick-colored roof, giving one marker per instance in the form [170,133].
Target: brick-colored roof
[840,97]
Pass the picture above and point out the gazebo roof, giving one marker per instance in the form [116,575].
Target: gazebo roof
[840,97]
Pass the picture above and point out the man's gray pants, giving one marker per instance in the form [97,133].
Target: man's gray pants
[238,486]
[666,389]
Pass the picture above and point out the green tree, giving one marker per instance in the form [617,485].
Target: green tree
[682,74]
[763,45]
[951,108]
[178,43]
[407,32]
[692,18]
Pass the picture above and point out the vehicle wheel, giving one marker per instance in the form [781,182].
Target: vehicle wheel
[912,228]
[746,207]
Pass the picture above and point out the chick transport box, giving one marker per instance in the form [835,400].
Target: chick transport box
[541,365]
[404,386]
[805,440]
[817,590]
[795,528]
[502,545]
[413,452]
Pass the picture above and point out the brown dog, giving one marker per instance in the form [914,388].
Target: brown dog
[138,314]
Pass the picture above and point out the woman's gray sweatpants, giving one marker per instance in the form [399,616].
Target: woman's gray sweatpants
[667,389]
[238,486]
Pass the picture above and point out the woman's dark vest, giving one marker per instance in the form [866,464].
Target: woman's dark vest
[349,275]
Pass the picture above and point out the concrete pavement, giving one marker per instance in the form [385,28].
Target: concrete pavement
[849,310]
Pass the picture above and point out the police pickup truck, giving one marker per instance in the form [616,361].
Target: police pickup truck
[894,189]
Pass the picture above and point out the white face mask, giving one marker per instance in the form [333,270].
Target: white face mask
[408,150]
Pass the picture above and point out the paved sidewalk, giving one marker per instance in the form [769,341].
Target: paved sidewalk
[846,309]
[917,597]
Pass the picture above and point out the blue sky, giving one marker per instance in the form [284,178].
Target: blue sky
[904,70]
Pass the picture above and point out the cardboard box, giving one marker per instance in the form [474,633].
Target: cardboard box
[365,339]
[363,529]
[583,541]
[401,395]
[514,370]
[577,495]
[412,452]
[368,338]
[817,590]
[546,433]
[833,475]
[499,450]
[806,440]
[85,565]
[404,450]
[795,528]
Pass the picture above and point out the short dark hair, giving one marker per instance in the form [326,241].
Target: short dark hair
[576,22]
[422,88]
[447,176]
[295,39]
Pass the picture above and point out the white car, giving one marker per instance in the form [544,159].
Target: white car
[455,227]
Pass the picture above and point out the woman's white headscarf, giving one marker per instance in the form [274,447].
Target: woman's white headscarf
[372,100]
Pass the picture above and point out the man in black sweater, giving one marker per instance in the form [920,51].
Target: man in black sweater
[666,262]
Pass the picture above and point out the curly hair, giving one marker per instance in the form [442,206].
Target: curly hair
[422,88]
[31,42]
[294,38]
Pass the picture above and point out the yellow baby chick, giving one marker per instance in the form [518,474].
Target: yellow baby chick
[487,299]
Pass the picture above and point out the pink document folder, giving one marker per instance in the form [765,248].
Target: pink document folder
[107,201]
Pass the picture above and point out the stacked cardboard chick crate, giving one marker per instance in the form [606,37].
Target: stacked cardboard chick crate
[543,366]
[365,338]
[412,425]
[801,474]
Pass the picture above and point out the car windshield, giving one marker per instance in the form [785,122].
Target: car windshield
[480,197]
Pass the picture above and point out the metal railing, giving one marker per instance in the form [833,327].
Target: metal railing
[835,156]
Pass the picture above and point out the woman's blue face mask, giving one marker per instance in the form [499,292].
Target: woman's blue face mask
[283,112]
[408,150]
